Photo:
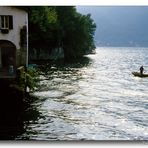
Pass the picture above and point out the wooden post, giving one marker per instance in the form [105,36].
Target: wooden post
[25,89]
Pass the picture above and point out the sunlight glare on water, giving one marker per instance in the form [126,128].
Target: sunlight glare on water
[100,100]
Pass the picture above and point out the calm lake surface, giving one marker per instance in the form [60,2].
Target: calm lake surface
[96,98]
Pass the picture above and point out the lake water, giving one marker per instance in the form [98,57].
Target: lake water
[96,98]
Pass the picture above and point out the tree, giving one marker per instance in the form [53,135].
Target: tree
[76,32]
[41,25]
[61,27]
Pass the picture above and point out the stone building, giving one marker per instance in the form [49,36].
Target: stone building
[13,39]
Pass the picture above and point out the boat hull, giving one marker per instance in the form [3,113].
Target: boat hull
[138,74]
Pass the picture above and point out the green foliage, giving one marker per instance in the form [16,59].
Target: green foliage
[31,78]
[27,79]
[42,22]
[61,26]
[81,37]
[32,72]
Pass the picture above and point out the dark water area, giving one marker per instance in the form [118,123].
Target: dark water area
[93,98]
[15,111]
[10,108]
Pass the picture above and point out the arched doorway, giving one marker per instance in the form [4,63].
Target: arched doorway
[7,56]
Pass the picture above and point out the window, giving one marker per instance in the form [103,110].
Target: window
[6,22]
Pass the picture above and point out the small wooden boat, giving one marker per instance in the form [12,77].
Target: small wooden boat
[138,74]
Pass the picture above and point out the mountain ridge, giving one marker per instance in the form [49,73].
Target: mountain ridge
[119,25]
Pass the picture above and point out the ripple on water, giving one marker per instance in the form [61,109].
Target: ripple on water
[49,94]
[100,101]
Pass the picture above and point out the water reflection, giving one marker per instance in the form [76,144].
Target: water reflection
[15,112]
[62,74]
[94,98]
[56,83]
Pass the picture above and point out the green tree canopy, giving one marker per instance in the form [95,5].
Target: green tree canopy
[76,30]
[61,26]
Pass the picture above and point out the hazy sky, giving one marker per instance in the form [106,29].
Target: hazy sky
[119,25]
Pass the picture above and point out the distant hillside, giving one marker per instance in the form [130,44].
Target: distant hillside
[119,25]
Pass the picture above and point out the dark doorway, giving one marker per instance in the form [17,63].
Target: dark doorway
[7,56]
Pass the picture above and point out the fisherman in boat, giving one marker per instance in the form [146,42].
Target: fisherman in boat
[141,70]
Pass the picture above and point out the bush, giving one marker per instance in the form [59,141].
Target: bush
[27,78]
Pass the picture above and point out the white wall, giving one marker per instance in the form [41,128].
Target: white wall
[19,19]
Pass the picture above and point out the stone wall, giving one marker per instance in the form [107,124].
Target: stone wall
[57,53]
